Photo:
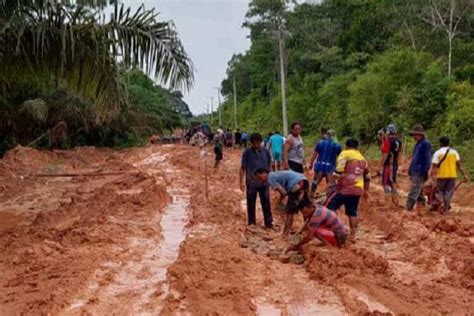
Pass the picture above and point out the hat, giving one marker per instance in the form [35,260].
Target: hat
[391,129]
[417,130]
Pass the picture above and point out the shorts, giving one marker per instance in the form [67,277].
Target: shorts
[277,156]
[350,202]
[295,166]
[333,239]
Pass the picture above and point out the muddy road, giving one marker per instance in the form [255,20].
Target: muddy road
[101,232]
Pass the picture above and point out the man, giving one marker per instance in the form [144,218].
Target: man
[325,153]
[323,224]
[254,158]
[245,139]
[218,150]
[293,151]
[391,148]
[229,138]
[276,148]
[287,183]
[419,167]
[446,163]
[238,138]
[352,173]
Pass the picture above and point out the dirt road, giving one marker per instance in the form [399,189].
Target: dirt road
[133,233]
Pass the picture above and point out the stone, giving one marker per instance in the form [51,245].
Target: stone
[297,259]
[284,258]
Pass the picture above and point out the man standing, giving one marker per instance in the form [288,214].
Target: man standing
[325,153]
[255,158]
[276,148]
[446,163]
[391,148]
[353,180]
[419,167]
[238,138]
[293,151]
[289,184]
[245,138]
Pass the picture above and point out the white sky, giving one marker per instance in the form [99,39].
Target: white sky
[211,33]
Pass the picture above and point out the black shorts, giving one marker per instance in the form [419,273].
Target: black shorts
[350,202]
[296,167]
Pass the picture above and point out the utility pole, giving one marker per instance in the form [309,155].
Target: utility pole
[219,105]
[282,81]
[235,105]
[212,109]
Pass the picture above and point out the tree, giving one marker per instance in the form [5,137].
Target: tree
[76,48]
[447,16]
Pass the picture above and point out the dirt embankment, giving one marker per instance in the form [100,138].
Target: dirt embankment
[57,231]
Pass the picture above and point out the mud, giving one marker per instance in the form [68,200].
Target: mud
[146,240]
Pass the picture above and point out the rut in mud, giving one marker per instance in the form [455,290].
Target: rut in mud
[145,240]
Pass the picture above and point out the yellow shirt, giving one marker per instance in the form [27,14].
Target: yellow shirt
[352,165]
[448,168]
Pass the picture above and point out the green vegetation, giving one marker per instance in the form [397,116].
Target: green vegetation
[71,77]
[357,65]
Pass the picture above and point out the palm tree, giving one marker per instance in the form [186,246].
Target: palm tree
[74,46]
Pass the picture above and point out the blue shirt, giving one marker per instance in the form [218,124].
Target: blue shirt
[253,159]
[421,160]
[277,142]
[327,150]
[286,179]
[245,136]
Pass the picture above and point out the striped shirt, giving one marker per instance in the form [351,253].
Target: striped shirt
[324,217]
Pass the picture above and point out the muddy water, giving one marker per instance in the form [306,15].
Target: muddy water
[140,286]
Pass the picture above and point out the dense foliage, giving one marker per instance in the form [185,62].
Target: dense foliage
[66,77]
[357,65]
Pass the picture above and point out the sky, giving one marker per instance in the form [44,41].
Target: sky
[211,33]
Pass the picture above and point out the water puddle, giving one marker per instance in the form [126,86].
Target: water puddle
[140,285]
[130,191]
[265,309]
[372,304]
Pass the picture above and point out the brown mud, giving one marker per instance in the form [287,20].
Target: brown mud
[144,239]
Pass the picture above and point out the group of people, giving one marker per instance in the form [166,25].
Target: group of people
[279,164]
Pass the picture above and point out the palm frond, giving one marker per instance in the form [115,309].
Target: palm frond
[69,46]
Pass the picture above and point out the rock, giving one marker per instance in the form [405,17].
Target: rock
[284,258]
[294,239]
[261,249]
[275,254]
[297,259]
[244,243]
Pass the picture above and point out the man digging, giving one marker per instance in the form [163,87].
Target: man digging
[289,184]
[321,223]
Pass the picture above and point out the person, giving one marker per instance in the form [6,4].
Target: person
[229,138]
[419,167]
[276,148]
[238,138]
[446,163]
[245,138]
[199,138]
[218,150]
[206,129]
[391,149]
[289,184]
[353,180]
[254,158]
[323,224]
[293,151]
[266,142]
[325,153]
